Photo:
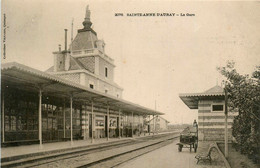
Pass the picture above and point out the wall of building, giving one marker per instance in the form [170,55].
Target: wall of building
[91,80]
[112,90]
[74,77]
[102,65]
[99,85]
[212,123]
[158,124]
[88,63]
[163,124]
[59,62]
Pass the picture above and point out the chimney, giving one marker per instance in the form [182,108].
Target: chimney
[66,39]
[59,61]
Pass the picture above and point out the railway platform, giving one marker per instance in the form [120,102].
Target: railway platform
[139,151]
[52,147]
[170,157]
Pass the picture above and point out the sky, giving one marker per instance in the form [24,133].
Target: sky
[156,58]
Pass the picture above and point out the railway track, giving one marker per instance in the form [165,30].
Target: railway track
[103,155]
[118,159]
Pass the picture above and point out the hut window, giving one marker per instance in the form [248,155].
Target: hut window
[217,107]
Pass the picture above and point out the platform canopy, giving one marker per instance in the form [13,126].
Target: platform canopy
[192,99]
[29,79]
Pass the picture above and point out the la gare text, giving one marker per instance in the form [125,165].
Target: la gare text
[154,14]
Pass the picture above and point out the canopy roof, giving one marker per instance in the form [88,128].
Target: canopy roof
[192,99]
[29,79]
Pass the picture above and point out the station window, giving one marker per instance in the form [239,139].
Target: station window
[13,123]
[106,91]
[217,108]
[7,126]
[91,86]
[106,72]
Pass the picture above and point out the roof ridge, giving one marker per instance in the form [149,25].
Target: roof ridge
[214,89]
[49,69]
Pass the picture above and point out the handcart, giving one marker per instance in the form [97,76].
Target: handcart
[189,138]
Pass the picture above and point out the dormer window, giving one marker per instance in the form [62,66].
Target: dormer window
[106,72]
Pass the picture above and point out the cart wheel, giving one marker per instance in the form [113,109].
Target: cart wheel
[180,148]
[195,147]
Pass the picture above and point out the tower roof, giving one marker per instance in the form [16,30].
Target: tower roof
[86,37]
[84,40]
[87,23]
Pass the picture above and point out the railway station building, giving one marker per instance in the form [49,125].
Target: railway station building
[211,116]
[76,98]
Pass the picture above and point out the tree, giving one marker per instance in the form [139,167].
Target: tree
[244,96]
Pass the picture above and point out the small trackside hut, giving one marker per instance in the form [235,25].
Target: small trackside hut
[211,116]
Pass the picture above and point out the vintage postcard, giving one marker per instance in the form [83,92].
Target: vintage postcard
[130,83]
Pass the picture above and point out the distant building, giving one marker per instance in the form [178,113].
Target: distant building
[211,117]
[86,62]
[158,124]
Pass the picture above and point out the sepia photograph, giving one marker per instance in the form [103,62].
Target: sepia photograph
[130,84]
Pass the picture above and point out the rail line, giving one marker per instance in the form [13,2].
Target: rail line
[46,158]
[118,159]
[94,155]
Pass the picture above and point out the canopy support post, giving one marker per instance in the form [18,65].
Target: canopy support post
[71,124]
[64,119]
[40,117]
[119,124]
[107,122]
[92,122]
[132,124]
[153,125]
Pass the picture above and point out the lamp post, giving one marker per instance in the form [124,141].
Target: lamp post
[226,120]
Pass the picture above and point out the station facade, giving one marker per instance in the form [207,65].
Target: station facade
[211,116]
[76,98]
